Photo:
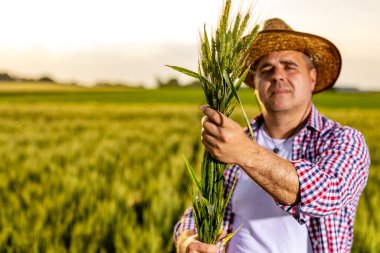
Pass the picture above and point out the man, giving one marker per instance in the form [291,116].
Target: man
[299,182]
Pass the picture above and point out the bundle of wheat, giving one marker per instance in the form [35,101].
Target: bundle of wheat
[221,73]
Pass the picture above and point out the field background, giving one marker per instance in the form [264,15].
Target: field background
[101,169]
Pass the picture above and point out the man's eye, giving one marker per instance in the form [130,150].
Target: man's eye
[265,69]
[291,67]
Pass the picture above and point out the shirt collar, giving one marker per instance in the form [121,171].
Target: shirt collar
[256,122]
[314,120]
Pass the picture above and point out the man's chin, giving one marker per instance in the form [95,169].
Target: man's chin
[280,107]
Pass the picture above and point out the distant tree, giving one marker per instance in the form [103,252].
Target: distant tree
[6,77]
[46,79]
[172,82]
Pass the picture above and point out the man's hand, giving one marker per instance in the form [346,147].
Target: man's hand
[187,243]
[224,138]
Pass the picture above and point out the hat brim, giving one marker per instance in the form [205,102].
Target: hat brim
[324,54]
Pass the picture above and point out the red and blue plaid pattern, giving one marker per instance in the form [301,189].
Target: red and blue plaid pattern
[332,162]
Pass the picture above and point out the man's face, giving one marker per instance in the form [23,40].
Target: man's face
[284,81]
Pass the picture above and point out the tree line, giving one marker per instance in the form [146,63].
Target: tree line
[6,77]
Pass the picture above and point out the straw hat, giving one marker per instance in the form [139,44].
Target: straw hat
[277,36]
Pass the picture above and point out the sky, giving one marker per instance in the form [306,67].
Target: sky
[130,42]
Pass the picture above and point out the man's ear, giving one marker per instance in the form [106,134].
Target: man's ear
[313,78]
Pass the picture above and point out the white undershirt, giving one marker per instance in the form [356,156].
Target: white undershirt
[267,227]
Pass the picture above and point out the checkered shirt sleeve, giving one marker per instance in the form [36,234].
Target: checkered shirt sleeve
[332,163]
[338,174]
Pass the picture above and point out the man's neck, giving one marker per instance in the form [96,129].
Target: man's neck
[284,124]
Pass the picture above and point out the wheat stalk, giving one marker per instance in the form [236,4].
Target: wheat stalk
[221,73]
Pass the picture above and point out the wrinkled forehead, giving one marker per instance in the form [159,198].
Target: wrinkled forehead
[281,56]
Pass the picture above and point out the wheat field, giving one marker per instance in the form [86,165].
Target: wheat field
[107,175]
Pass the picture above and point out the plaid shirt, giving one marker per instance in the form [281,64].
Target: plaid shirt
[332,163]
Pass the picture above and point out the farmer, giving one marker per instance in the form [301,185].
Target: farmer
[300,181]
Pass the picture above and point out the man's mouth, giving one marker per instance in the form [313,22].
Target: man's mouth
[279,91]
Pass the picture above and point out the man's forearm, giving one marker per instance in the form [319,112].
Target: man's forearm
[275,175]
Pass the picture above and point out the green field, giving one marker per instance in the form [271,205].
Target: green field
[32,93]
[101,169]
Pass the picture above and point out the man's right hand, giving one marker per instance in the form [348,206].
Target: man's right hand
[187,242]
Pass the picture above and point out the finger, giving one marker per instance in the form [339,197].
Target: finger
[210,141]
[185,245]
[204,119]
[210,128]
[215,116]
[197,246]
[209,147]
[181,239]
[192,251]
[222,234]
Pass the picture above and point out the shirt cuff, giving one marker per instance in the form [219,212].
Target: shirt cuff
[302,167]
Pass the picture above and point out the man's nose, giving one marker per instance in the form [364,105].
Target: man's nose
[278,74]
